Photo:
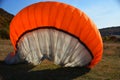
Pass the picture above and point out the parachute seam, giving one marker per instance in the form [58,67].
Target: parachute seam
[15,31]
[34,15]
[62,23]
[28,16]
[80,20]
[71,18]
[64,15]
[22,20]
[57,13]
[35,9]
[49,14]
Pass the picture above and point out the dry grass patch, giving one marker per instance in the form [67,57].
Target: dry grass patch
[107,69]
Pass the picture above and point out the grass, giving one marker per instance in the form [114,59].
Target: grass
[107,69]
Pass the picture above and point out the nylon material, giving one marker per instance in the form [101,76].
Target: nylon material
[94,62]
[72,57]
[80,26]
[68,56]
[58,49]
[47,39]
[42,43]
[93,48]
[54,17]
[78,49]
[14,31]
[49,11]
[37,44]
[21,25]
[34,58]
[45,13]
[64,48]
[24,49]
[13,41]
[14,38]
[50,41]
[73,51]
[52,44]
[24,52]
[42,16]
[80,61]
[67,18]
[38,15]
[60,15]
[69,48]
[53,10]
[34,14]
[15,27]
[23,19]
[32,19]
[78,30]
[96,52]
[32,47]
[84,61]
[29,19]
[36,48]
[74,21]
[85,32]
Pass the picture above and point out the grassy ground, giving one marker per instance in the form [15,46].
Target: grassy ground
[107,69]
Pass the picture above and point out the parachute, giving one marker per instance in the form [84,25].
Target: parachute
[55,31]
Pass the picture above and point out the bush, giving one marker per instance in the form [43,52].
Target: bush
[112,38]
[4,34]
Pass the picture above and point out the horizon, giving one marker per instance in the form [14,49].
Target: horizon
[102,14]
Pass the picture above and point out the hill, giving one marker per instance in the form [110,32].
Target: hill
[111,34]
[110,31]
[5,19]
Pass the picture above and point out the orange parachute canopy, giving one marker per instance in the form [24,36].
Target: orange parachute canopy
[62,17]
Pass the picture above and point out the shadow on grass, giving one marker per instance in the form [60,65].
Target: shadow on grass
[22,72]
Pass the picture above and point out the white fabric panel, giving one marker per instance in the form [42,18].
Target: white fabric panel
[57,46]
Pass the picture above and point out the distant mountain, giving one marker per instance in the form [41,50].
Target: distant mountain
[110,31]
[5,19]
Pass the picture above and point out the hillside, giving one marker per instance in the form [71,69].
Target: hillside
[110,31]
[5,19]
[110,34]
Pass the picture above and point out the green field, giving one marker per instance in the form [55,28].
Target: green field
[107,69]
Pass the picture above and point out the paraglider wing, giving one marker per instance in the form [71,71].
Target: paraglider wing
[58,32]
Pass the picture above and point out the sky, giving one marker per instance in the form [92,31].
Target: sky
[104,13]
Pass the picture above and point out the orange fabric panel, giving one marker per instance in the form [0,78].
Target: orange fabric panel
[61,16]
[73,25]
[67,19]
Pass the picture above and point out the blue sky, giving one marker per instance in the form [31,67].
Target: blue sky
[105,13]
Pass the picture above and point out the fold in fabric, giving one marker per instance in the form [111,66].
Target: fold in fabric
[54,45]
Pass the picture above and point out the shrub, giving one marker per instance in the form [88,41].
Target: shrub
[4,34]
